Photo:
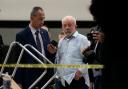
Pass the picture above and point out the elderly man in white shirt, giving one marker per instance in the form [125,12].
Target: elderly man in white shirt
[69,52]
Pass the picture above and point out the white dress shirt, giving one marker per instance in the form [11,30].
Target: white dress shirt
[69,52]
[33,30]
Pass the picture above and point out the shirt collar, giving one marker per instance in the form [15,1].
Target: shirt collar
[33,30]
[73,35]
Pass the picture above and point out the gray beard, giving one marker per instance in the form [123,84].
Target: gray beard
[69,35]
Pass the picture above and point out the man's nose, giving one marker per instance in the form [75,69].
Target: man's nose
[67,27]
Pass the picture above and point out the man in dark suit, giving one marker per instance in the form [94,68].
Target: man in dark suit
[1,54]
[1,45]
[37,37]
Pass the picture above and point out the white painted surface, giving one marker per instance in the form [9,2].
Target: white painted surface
[54,9]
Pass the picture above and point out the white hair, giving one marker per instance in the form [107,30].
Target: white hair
[69,17]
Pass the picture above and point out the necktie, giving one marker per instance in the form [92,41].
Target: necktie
[38,42]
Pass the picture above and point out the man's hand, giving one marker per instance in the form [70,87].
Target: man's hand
[86,51]
[78,75]
[14,85]
[98,36]
[91,85]
[52,49]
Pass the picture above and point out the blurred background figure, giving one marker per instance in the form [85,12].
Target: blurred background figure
[45,27]
[61,35]
[95,53]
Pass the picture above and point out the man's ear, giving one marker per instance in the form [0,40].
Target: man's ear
[31,17]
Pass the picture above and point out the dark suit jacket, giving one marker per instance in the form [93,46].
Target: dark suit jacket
[94,58]
[1,41]
[1,47]
[1,55]
[27,76]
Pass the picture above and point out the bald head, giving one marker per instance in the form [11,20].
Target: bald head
[70,18]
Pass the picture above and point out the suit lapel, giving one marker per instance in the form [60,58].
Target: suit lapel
[30,38]
[44,40]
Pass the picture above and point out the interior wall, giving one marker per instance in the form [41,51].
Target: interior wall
[54,9]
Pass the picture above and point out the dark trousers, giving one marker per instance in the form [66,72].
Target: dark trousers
[98,82]
[75,84]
